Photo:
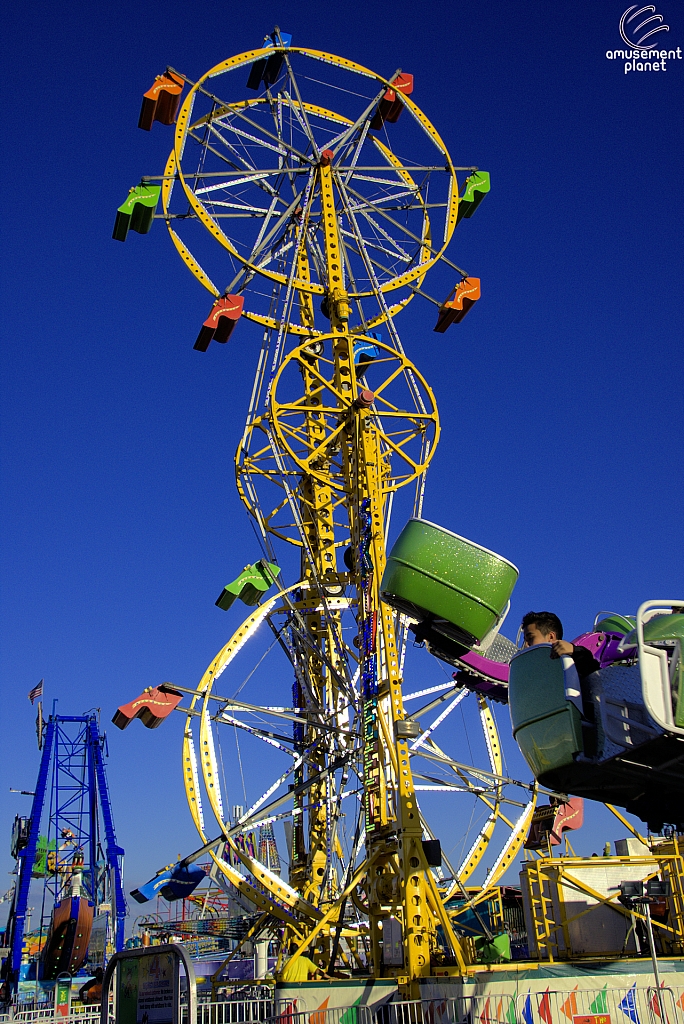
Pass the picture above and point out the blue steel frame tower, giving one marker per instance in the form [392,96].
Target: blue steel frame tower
[72,805]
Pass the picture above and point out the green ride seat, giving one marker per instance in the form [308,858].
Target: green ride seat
[250,586]
[459,587]
[137,212]
[494,950]
[659,630]
[628,750]
[667,631]
[546,726]
[477,186]
[616,624]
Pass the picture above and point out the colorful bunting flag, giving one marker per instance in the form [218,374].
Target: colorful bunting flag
[351,1014]
[628,1005]
[545,1008]
[527,1010]
[319,1016]
[655,1004]
[600,1004]
[288,1013]
[569,1007]
[436,1010]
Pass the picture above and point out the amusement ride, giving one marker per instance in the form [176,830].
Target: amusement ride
[68,844]
[312,196]
[322,230]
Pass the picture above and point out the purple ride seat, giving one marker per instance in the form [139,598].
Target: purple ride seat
[605,647]
[490,678]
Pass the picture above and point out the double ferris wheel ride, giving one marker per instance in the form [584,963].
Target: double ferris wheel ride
[312,196]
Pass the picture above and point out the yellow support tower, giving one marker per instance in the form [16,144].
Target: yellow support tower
[320,233]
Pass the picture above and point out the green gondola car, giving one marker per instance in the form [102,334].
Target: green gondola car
[477,185]
[456,586]
[546,726]
[250,586]
[137,211]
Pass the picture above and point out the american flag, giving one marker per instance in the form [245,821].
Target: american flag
[36,692]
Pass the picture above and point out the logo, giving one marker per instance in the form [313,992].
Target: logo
[641,28]
[635,32]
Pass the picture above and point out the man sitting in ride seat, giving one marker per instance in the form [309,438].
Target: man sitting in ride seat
[547,628]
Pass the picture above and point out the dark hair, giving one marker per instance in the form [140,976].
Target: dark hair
[547,622]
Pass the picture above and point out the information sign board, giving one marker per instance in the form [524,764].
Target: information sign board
[148,989]
[148,985]
[62,997]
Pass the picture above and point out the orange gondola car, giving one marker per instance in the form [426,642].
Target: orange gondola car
[160,102]
[66,946]
[460,300]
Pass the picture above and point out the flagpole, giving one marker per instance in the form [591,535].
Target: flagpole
[39,725]
[654,959]
[632,895]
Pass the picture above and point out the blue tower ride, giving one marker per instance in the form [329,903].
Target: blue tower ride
[69,844]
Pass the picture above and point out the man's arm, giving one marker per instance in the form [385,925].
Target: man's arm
[585,662]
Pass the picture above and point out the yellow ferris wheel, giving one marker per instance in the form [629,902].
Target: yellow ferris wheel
[312,196]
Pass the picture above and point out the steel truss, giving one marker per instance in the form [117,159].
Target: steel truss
[327,230]
[71,811]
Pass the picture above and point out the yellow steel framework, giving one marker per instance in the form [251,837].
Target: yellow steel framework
[314,207]
[558,886]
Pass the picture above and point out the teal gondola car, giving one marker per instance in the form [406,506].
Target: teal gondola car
[618,735]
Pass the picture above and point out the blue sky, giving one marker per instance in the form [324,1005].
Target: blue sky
[560,394]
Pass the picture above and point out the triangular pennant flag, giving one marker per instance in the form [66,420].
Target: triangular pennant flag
[319,1016]
[511,1017]
[545,1008]
[288,1013]
[351,1014]
[484,1016]
[527,1010]
[499,1011]
[436,1011]
[680,1002]
[628,1005]
[569,1007]
[655,1005]
[600,1004]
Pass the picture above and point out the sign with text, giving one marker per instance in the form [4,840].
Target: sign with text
[148,989]
[62,997]
[148,985]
